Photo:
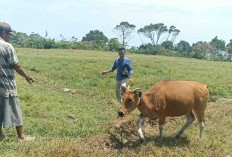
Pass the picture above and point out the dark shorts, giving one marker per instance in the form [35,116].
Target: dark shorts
[10,112]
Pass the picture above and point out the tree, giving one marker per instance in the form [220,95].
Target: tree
[229,47]
[167,45]
[62,38]
[37,41]
[183,47]
[114,44]
[148,31]
[35,36]
[95,36]
[175,33]
[146,46]
[170,30]
[201,49]
[46,34]
[124,31]
[160,29]
[19,39]
[218,44]
[74,39]
[153,30]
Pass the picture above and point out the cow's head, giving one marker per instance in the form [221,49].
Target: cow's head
[131,99]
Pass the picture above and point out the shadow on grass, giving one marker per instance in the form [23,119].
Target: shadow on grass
[171,141]
[168,141]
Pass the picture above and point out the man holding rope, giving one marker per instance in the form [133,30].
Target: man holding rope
[10,111]
[124,72]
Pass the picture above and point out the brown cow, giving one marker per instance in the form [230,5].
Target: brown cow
[168,98]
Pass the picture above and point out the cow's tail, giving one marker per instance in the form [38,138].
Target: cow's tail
[207,88]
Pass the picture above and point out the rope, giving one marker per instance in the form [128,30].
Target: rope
[64,91]
[60,89]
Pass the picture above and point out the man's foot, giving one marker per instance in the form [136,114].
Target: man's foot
[2,137]
[27,138]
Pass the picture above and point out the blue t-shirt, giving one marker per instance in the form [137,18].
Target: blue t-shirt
[120,65]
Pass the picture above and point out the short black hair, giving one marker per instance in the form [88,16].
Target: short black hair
[121,49]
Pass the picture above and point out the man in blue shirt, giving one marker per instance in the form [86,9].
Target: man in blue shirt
[124,72]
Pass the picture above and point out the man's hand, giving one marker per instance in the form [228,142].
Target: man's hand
[104,72]
[29,79]
[21,72]
[131,81]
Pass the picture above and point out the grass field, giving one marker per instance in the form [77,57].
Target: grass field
[84,124]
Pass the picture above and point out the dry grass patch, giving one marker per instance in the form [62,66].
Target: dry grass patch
[122,139]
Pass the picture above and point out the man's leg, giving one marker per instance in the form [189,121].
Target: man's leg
[118,91]
[124,82]
[20,132]
[14,118]
[22,135]
[1,130]
[1,116]
[1,134]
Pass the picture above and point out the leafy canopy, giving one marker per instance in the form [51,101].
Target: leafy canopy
[95,36]
[124,31]
[153,31]
[218,44]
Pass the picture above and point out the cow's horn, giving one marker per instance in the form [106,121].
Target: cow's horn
[136,89]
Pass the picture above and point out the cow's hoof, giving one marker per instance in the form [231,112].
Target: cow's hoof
[142,140]
[177,137]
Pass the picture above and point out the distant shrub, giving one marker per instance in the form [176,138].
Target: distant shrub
[153,50]
[89,46]
[63,45]
[114,44]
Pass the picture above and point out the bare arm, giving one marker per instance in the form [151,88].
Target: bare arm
[21,72]
[131,79]
[105,72]
[110,70]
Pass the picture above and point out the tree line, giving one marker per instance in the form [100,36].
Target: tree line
[161,42]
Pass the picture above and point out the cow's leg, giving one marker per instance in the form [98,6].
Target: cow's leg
[201,128]
[140,132]
[190,119]
[199,112]
[200,116]
[161,132]
[161,126]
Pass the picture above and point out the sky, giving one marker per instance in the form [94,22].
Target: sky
[197,20]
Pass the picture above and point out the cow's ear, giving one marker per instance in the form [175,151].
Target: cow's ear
[123,89]
[138,92]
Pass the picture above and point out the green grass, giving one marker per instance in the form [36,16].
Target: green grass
[47,110]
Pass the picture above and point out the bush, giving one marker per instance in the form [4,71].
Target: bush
[89,46]
[153,50]
[63,45]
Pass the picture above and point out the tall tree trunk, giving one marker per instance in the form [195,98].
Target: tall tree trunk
[123,39]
